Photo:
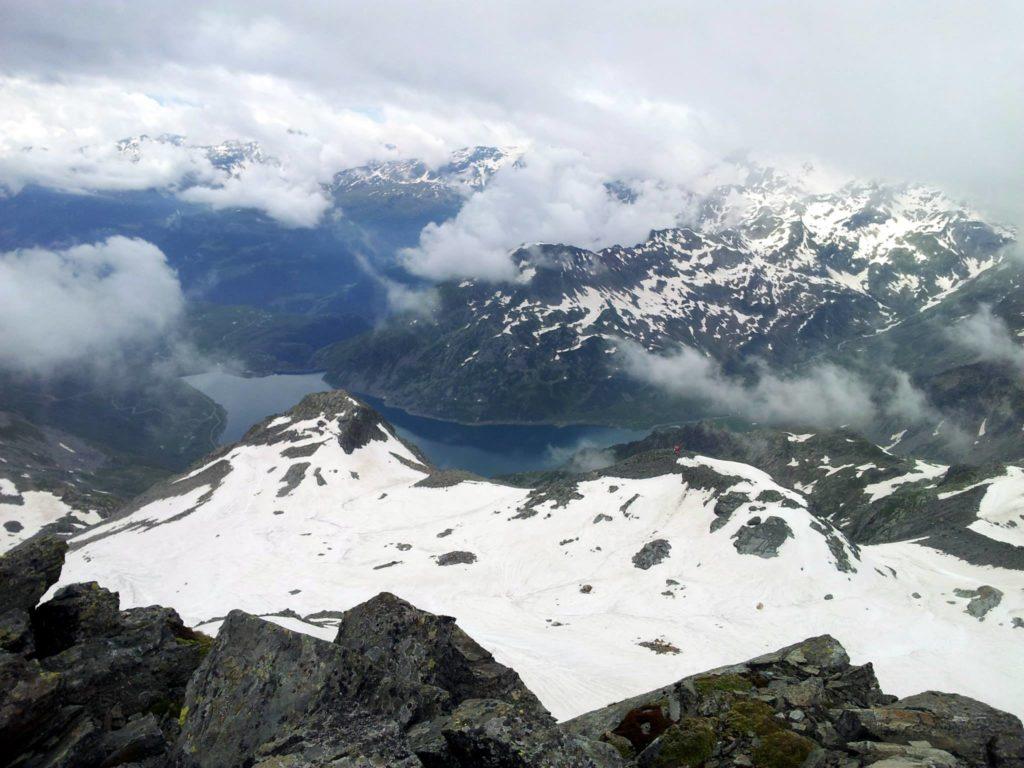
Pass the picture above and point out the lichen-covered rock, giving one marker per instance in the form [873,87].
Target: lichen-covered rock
[975,732]
[90,685]
[814,677]
[140,664]
[138,740]
[16,632]
[331,737]
[258,682]
[419,665]
[920,755]
[28,698]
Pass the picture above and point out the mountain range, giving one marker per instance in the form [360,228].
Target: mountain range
[729,531]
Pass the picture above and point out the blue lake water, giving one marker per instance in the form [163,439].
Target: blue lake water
[488,450]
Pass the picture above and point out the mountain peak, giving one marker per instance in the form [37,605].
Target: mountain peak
[324,416]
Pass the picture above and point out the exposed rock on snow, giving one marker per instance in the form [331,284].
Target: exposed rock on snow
[652,553]
[983,600]
[762,538]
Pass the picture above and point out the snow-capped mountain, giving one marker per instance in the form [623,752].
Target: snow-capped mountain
[230,156]
[593,586]
[468,170]
[768,271]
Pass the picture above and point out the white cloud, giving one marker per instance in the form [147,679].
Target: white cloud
[918,91]
[988,336]
[265,187]
[64,135]
[824,395]
[82,304]
[554,196]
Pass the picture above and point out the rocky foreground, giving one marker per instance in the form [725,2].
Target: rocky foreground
[83,683]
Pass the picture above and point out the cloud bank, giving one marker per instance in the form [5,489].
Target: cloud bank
[83,304]
[824,395]
[921,90]
[552,196]
[988,336]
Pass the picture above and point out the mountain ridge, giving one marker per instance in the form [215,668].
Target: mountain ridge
[289,524]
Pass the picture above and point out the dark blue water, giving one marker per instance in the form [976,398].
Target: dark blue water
[492,449]
[500,449]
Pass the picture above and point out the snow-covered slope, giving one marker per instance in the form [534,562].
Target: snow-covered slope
[594,587]
[47,480]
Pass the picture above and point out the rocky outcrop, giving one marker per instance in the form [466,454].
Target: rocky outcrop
[88,684]
[982,600]
[397,642]
[804,705]
[652,553]
[26,572]
[762,538]
[387,689]
[976,733]
[94,687]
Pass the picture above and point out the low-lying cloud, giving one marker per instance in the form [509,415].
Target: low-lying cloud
[83,304]
[552,196]
[293,203]
[988,336]
[823,395]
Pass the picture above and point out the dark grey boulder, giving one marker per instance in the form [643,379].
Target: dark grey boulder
[384,693]
[76,612]
[417,665]
[140,664]
[762,538]
[16,631]
[28,570]
[651,553]
[726,504]
[258,682]
[28,699]
[330,737]
[138,740]
[975,732]
[486,733]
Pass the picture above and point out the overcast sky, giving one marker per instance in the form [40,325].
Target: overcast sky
[930,90]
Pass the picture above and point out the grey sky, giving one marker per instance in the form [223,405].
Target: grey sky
[926,90]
